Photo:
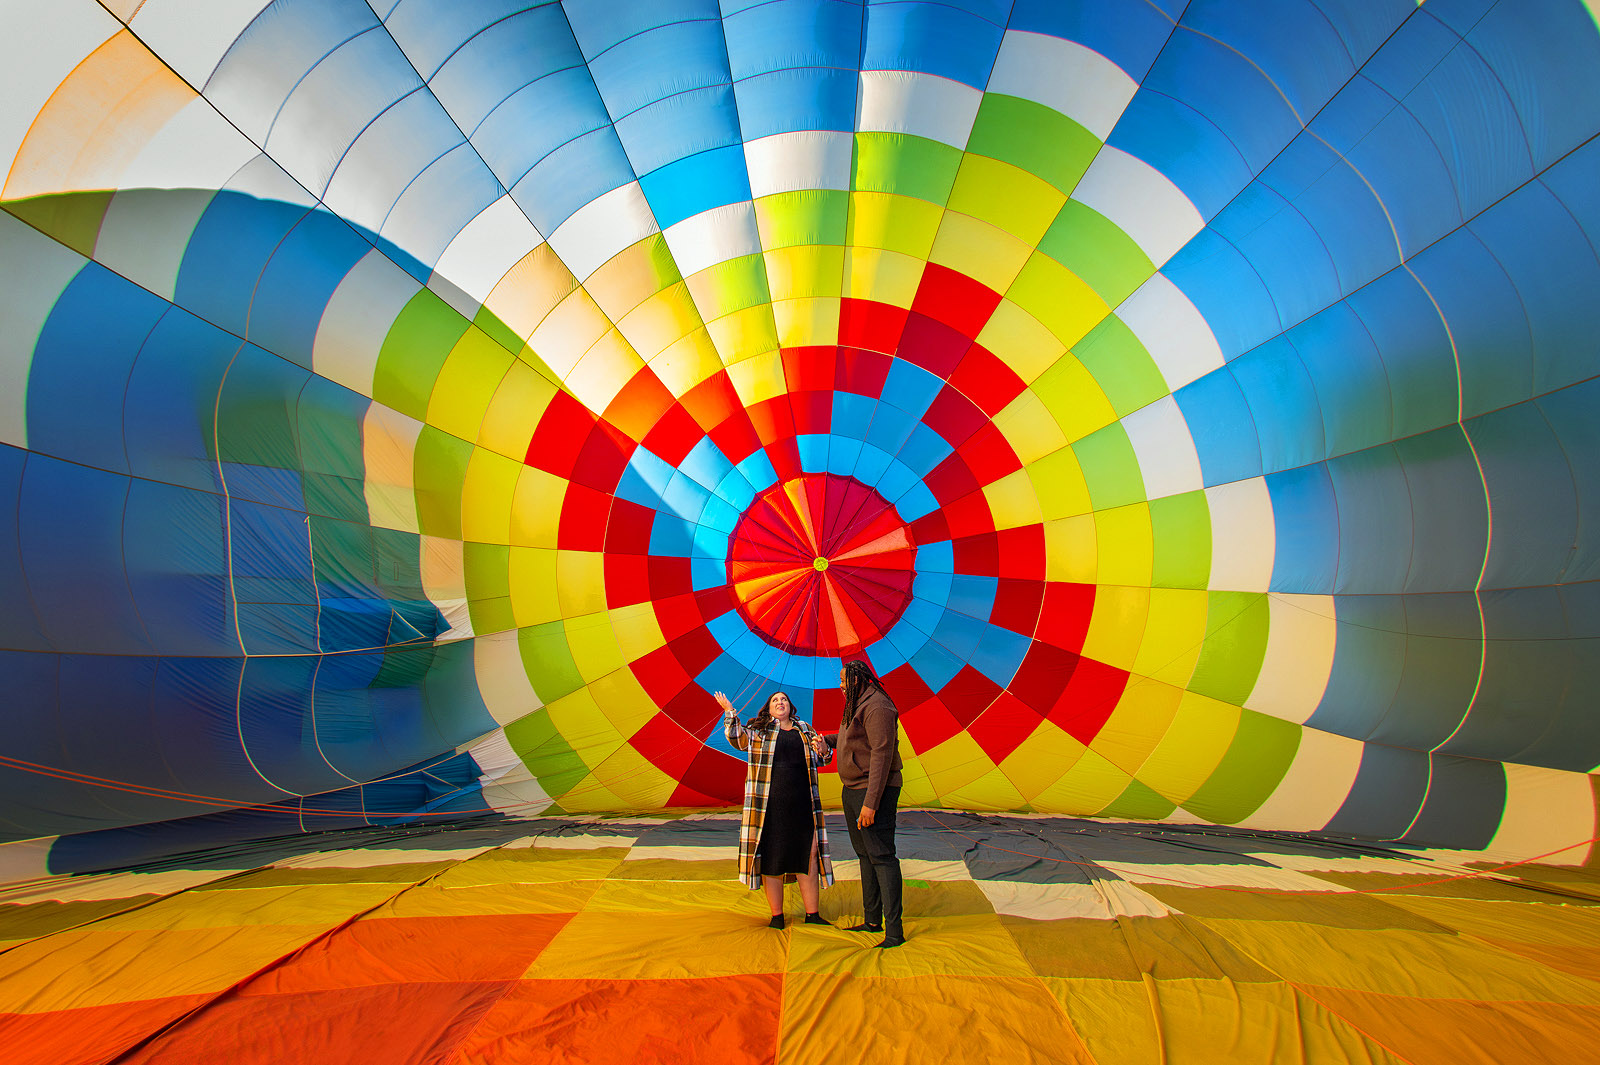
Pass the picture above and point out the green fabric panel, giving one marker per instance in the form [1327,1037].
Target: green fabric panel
[258,412]
[1236,645]
[546,754]
[344,557]
[486,569]
[904,164]
[817,216]
[72,219]
[1091,246]
[497,330]
[404,667]
[1122,367]
[548,659]
[331,454]
[1139,802]
[1034,137]
[1110,468]
[397,559]
[1180,526]
[418,343]
[439,469]
[1250,772]
[736,284]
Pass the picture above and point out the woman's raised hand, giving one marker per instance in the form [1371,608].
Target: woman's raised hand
[722,701]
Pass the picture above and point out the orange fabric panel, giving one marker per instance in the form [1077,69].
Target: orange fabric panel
[1463,1032]
[729,1020]
[82,1037]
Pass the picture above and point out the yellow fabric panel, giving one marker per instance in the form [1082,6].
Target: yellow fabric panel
[579,720]
[533,288]
[1040,759]
[1192,747]
[687,362]
[1126,544]
[1091,784]
[97,121]
[804,270]
[626,706]
[1030,428]
[580,576]
[661,321]
[533,583]
[1012,501]
[955,763]
[487,496]
[1059,298]
[514,411]
[1059,485]
[632,276]
[1467,1033]
[603,371]
[933,1018]
[494,897]
[813,320]
[1117,627]
[593,644]
[1071,550]
[745,334]
[984,252]
[628,774]
[620,946]
[568,331]
[894,223]
[637,630]
[725,287]
[536,508]
[974,945]
[1138,722]
[467,383]
[1074,398]
[758,379]
[885,276]
[504,868]
[673,897]
[1021,341]
[1174,633]
[1006,196]
[992,791]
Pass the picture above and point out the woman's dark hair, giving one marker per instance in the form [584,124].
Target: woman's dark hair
[859,681]
[763,718]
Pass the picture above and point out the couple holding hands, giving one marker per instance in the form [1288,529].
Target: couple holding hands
[782,830]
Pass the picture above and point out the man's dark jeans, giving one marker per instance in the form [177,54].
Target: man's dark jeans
[880,867]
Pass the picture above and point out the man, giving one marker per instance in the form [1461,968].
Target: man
[868,742]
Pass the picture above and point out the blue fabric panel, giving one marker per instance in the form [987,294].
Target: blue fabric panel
[1128,32]
[78,380]
[1305,516]
[1447,509]
[1529,43]
[227,250]
[71,521]
[257,430]
[1488,322]
[1349,376]
[31,802]
[298,281]
[1530,667]
[1463,104]
[1463,808]
[1438,674]
[19,625]
[1183,144]
[666,61]
[1220,424]
[1284,251]
[578,172]
[679,127]
[536,120]
[1571,739]
[602,26]
[794,33]
[1227,289]
[931,38]
[698,183]
[788,101]
[1362,25]
[1415,350]
[451,192]
[1532,494]
[1570,415]
[1000,654]
[1283,404]
[434,34]
[1397,157]
[1388,790]
[176,568]
[505,61]
[910,387]
[1376,534]
[167,416]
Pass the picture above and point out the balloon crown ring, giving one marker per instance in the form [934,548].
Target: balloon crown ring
[819,563]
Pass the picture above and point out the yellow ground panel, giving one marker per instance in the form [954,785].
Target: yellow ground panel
[806,322]
[594,644]
[1071,549]
[955,763]
[759,378]
[1059,485]
[805,270]
[637,630]
[687,362]
[1030,428]
[632,276]
[486,497]
[1040,759]
[531,290]
[627,773]
[603,371]
[1074,398]
[1021,341]
[1013,501]
[992,791]
[1091,784]
[627,707]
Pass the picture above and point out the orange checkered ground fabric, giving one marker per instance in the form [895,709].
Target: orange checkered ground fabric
[1031,939]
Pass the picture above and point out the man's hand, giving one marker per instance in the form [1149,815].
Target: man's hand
[819,745]
[868,815]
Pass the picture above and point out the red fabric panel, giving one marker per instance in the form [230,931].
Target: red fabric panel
[85,1036]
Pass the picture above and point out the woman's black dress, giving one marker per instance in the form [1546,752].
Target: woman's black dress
[787,830]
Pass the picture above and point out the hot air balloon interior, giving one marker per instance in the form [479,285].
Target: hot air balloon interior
[412,412]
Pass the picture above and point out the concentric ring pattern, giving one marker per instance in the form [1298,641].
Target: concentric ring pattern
[419,408]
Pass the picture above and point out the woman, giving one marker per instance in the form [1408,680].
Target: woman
[781,831]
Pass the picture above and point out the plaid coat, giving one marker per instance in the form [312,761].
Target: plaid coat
[760,746]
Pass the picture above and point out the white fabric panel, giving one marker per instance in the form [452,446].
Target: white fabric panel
[487,249]
[502,677]
[714,237]
[1160,437]
[1141,201]
[192,36]
[1315,787]
[387,157]
[27,859]
[601,228]
[925,105]
[356,320]
[494,756]
[1172,331]
[145,233]
[33,272]
[1243,536]
[518,793]
[41,45]
[1065,76]
[196,149]
[1101,900]
[1299,657]
[795,162]
[388,451]
[1546,810]
[266,180]
[1239,876]
[444,582]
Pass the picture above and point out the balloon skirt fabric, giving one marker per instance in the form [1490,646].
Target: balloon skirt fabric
[1032,939]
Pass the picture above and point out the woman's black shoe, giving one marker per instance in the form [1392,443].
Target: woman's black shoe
[817,918]
[865,928]
[889,943]
[776,922]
